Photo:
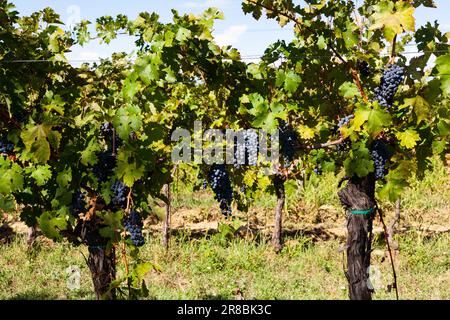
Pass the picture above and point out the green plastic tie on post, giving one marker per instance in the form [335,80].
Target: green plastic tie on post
[362,212]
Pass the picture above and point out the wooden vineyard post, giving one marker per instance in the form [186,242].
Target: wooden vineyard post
[359,198]
[281,196]
[166,223]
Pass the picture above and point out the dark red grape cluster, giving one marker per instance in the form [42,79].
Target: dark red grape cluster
[288,139]
[133,224]
[390,81]
[220,183]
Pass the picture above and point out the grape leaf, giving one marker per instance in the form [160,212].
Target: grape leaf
[306,132]
[127,120]
[128,170]
[52,224]
[36,142]
[393,18]
[408,138]
[41,174]
[359,162]
[292,81]
[420,106]
[349,90]
[377,120]
[11,178]
[443,67]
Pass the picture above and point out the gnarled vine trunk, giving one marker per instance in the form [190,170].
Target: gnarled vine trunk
[102,265]
[359,194]
[31,236]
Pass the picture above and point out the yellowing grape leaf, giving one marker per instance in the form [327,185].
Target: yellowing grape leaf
[393,18]
[306,132]
[420,106]
[408,138]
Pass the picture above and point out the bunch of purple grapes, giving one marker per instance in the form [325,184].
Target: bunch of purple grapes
[220,183]
[246,152]
[105,165]
[6,147]
[345,121]
[107,131]
[288,139]
[363,68]
[380,156]
[78,203]
[133,224]
[390,81]
[120,193]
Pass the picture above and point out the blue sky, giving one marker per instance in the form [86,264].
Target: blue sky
[239,30]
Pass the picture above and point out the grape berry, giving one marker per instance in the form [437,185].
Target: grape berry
[345,121]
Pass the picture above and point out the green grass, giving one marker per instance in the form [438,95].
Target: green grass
[211,269]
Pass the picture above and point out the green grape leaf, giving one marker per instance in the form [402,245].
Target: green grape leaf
[359,162]
[443,127]
[11,177]
[112,220]
[127,120]
[306,132]
[41,174]
[183,34]
[52,224]
[321,42]
[130,87]
[438,146]
[396,181]
[291,81]
[349,90]
[36,141]
[377,120]
[64,178]
[128,169]
[7,203]
[88,155]
[443,67]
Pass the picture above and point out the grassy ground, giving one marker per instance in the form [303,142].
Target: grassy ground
[209,267]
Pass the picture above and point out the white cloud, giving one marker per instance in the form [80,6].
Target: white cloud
[231,35]
[206,3]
